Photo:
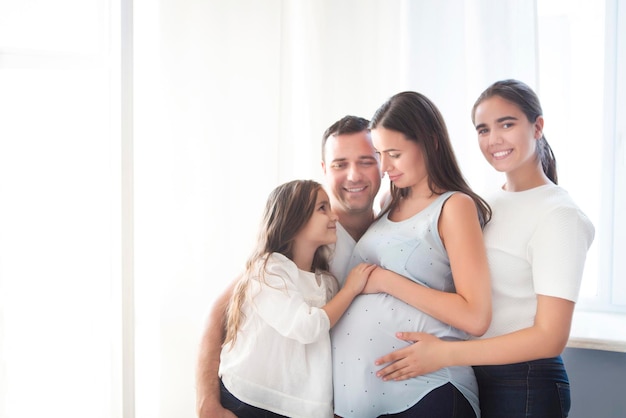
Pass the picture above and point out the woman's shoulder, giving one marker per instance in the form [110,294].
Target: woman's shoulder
[544,196]
[458,202]
[549,204]
[458,212]
[561,207]
[556,199]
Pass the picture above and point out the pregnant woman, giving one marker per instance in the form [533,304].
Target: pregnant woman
[430,233]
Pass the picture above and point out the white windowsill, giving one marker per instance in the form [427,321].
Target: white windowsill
[598,331]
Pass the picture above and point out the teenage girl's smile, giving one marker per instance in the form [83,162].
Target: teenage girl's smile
[499,155]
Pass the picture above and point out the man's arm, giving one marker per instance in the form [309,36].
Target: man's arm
[207,379]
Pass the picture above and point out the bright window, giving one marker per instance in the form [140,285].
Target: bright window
[59,216]
[578,70]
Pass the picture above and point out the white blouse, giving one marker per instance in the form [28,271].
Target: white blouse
[281,360]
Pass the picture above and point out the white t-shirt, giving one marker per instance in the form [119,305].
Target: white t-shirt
[536,242]
[281,360]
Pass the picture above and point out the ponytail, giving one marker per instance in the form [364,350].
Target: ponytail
[547,158]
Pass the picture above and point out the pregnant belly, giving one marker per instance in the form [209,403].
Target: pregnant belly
[366,332]
[369,326]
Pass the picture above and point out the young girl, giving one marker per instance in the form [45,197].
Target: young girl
[430,233]
[537,242]
[276,358]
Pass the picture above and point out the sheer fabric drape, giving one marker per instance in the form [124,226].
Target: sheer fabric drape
[232,99]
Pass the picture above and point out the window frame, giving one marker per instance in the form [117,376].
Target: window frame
[611,293]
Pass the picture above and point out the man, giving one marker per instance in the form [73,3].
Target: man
[352,180]
[352,176]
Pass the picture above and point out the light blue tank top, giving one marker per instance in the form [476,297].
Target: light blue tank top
[367,330]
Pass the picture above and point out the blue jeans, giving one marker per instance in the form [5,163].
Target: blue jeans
[444,402]
[538,388]
[242,409]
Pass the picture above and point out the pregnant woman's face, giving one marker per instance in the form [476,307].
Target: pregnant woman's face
[400,158]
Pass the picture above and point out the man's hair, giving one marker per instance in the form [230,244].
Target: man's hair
[346,125]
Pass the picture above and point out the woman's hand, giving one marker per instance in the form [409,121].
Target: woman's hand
[424,356]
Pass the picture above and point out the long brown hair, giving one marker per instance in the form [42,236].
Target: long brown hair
[288,209]
[415,116]
[522,96]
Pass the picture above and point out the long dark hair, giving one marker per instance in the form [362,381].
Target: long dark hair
[415,116]
[521,95]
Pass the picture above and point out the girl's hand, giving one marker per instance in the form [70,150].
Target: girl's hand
[375,281]
[358,277]
[422,357]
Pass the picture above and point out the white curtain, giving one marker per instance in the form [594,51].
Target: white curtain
[59,211]
[231,99]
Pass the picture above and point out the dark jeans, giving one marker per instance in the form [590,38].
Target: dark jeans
[444,402]
[242,409]
[537,388]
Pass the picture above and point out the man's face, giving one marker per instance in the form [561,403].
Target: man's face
[352,173]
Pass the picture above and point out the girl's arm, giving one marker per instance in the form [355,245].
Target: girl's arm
[546,338]
[469,309]
[279,302]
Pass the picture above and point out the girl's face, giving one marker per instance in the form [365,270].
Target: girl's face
[507,139]
[401,158]
[321,229]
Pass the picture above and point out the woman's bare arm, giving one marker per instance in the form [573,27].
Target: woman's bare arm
[546,338]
